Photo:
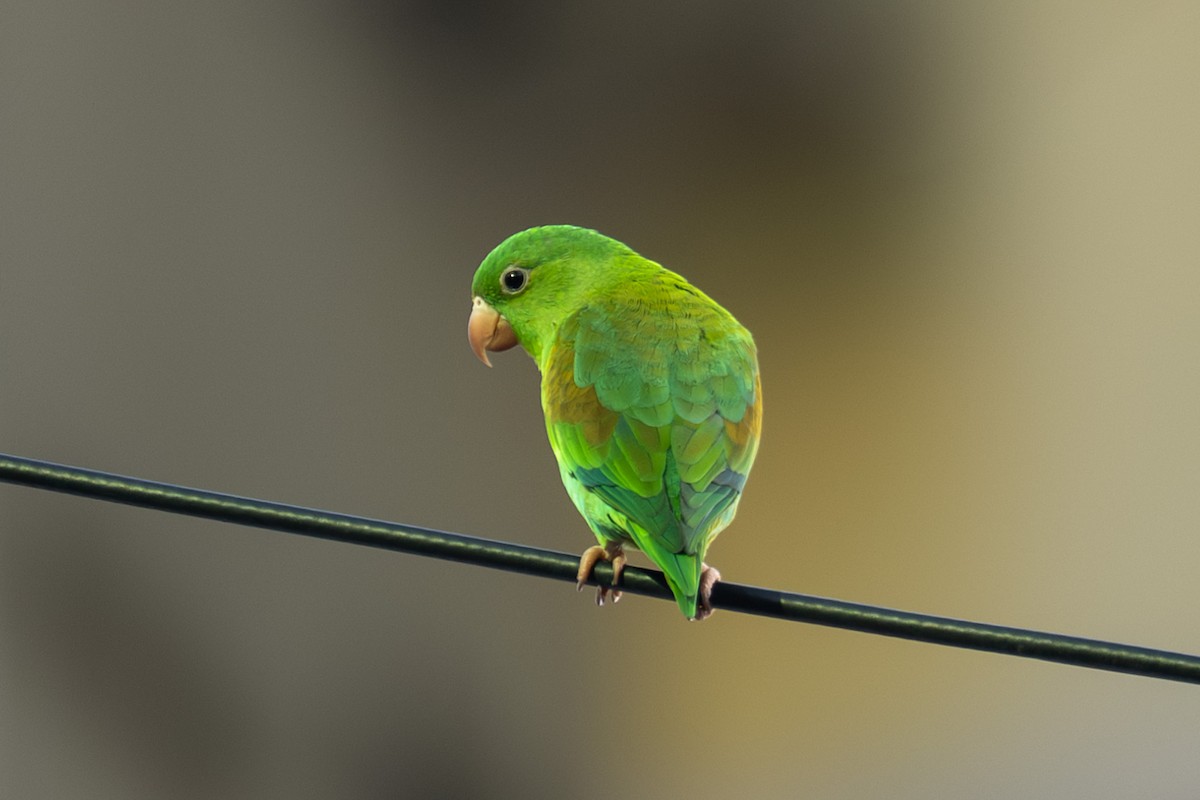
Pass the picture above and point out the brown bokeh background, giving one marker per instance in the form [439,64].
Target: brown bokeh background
[236,248]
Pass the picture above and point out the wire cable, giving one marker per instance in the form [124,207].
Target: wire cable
[562,566]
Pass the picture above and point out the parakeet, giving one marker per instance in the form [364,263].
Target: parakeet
[650,389]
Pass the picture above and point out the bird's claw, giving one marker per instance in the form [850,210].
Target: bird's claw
[708,578]
[587,561]
[607,592]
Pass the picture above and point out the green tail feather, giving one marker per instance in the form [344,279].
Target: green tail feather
[682,572]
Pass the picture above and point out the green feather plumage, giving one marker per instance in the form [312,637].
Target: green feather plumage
[650,391]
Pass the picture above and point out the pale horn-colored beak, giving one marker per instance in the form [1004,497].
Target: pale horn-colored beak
[487,330]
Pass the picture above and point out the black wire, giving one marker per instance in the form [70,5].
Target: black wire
[562,566]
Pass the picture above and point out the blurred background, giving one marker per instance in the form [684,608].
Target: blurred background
[236,246]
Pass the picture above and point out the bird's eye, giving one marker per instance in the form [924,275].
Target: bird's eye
[514,280]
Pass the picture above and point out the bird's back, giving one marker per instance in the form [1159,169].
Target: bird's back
[653,409]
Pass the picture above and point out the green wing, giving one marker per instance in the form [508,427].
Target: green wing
[653,410]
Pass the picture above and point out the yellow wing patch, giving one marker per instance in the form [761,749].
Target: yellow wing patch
[565,401]
[743,435]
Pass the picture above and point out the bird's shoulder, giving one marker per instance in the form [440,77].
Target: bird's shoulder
[657,349]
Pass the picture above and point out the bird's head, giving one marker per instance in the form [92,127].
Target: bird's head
[532,281]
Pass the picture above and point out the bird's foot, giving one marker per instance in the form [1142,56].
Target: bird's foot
[587,561]
[708,578]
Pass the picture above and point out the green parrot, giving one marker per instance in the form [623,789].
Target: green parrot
[651,393]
